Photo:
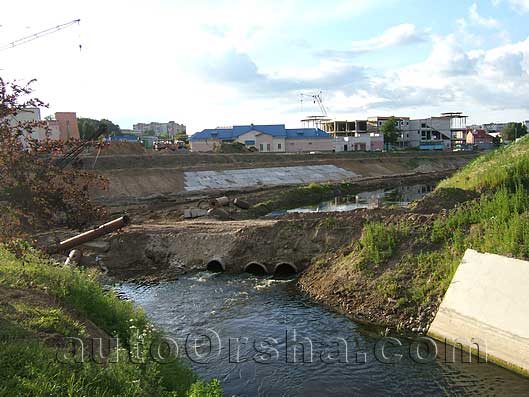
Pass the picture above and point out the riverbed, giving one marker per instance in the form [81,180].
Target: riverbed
[297,348]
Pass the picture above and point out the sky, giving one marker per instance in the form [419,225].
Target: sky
[219,63]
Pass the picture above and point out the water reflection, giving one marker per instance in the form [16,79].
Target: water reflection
[401,196]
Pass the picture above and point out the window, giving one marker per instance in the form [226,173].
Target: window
[278,146]
[267,147]
[261,147]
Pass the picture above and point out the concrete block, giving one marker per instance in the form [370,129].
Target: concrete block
[194,213]
[487,303]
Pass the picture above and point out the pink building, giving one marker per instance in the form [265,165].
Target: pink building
[67,123]
[264,138]
[62,128]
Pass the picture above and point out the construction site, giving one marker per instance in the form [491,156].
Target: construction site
[199,257]
[194,211]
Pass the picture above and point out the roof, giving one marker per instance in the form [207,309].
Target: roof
[306,133]
[276,130]
[481,134]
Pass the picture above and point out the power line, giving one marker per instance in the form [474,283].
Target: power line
[38,35]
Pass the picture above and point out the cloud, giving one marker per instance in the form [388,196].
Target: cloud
[520,6]
[494,79]
[395,36]
[480,20]
[239,70]
[215,30]
[450,77]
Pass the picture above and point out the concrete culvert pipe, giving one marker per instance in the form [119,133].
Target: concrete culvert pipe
[256,268]
[215,265]
[285,269]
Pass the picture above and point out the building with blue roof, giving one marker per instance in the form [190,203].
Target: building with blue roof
[264,138]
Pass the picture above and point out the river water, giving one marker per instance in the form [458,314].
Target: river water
[400,196]
[203,311]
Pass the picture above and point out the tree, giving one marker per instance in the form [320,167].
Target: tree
[113,129]
[88,126]
[390,130]
[182,137]
[36,193]
[512,131]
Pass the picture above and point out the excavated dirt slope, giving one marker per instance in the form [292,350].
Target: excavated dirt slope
[139,176]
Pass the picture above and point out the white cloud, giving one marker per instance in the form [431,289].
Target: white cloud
[490,84]
[395,36]
[480,20]
[225,63]
[520,6]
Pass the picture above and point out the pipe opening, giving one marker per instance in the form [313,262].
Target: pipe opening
[215,266]
[255,268]
[285,269]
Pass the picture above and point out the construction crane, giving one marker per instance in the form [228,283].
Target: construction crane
[319,120]
[38,35]
[317,99]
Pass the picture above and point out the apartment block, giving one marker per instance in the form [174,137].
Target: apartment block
[157,129]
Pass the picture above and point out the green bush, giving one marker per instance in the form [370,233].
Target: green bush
[379,241]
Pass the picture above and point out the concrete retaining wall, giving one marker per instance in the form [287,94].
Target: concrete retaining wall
[229,179]
[487,306]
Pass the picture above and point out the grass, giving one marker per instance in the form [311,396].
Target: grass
[50,320]
[79,288]
[496,222]
[379,242]
[506,166]
[30,367]
[415,261]
[302,195]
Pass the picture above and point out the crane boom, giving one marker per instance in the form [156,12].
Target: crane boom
[38,35]
[317,100]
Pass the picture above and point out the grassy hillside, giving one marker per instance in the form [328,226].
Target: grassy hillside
[42,302]
[399,267]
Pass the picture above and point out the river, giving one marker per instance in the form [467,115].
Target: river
[276,319]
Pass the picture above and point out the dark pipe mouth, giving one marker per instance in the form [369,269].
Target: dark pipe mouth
[255,268]
[215,266]
[285,269]
[126,219]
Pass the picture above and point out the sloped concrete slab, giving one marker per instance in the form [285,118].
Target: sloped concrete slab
[486,307]
[241,178]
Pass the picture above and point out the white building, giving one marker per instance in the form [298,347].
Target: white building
[359,142]
[169,128]
[436,132]
[353,135]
